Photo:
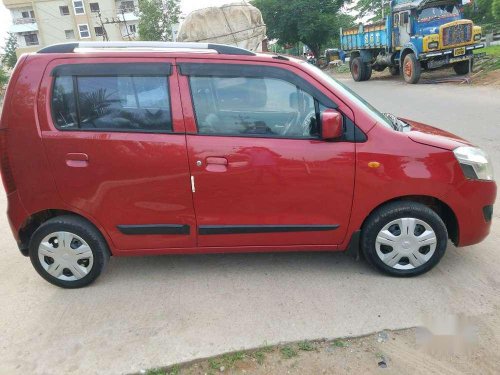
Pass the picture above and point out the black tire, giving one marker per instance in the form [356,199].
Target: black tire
[368,72]
[358,69]
[81,228]
[394,70]
[394,211]
[462,67]
[411,68]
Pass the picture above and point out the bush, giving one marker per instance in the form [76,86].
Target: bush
[4,78]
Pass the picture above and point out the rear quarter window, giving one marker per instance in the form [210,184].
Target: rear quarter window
[114,103]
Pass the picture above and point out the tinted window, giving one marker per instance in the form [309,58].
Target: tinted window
[253,106]
[63,103]
[113,103]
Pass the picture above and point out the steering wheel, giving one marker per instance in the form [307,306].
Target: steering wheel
[306,130]
[291,123]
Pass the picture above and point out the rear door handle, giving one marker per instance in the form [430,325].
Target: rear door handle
[77,160]
[216,164]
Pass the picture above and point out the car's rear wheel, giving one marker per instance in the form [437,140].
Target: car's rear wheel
[404,239]
[68,251]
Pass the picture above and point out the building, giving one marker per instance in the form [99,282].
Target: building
[39,23]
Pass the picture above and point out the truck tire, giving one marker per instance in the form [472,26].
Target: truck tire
[368,72]
[394,70]
[462,67]
[411,68]
[358,69]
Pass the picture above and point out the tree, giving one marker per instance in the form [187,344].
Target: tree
[157,18]
[372,9]
[312,22]
[480,11]
[9,58]
[4,78]
[495,9]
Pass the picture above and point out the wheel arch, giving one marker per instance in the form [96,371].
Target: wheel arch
[406,50]
[443,210]
[33,222]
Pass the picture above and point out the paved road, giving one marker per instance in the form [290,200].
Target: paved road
[146,312]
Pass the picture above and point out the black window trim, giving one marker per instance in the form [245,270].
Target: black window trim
[88,71]
[113,69]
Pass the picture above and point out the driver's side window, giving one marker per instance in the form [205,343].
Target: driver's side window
[253,106]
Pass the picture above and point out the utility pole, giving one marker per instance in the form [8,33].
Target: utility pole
[126,26]
[104,32]
[116,21]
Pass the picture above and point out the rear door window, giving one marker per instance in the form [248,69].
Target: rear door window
[112,102]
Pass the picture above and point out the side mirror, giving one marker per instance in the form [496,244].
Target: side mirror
[331,124]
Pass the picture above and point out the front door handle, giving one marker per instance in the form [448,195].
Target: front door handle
[77,160]
[216,164]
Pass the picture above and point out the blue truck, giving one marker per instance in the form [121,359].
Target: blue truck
[416,35]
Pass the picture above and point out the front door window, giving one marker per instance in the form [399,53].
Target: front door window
[253,106]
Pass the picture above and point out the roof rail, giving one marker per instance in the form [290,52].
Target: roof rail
[219,48]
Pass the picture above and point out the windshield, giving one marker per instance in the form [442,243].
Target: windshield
[443,11]
[337,86]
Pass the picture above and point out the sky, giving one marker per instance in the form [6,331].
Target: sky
[187,6]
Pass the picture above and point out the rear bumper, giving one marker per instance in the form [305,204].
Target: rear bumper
[16,214]
[473,203]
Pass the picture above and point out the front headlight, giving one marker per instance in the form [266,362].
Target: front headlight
[432,45]
[477,37]
[474,162]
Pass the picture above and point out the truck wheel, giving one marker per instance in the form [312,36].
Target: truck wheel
[411,68]
[394,70]
[462,67]
[69,252]
[368,72]
[358,69]
[404,239]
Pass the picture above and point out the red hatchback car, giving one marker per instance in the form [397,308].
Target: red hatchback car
[164,148]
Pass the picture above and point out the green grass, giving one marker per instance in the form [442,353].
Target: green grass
[491,61]
[156,371]
[339,343]
[227,360]
[288,352]
[260,354]
[174,370]
[306,346]
[490,51]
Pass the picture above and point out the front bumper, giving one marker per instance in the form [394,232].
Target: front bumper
[446,56]
[472,203]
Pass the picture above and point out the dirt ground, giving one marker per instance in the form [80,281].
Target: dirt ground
[453,345]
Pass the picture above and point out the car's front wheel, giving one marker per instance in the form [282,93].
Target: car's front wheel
[68,251]
[404,239]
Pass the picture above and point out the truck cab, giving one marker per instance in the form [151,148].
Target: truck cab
[418,35]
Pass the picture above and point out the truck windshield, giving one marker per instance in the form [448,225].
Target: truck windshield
[340,87]
[443,11]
